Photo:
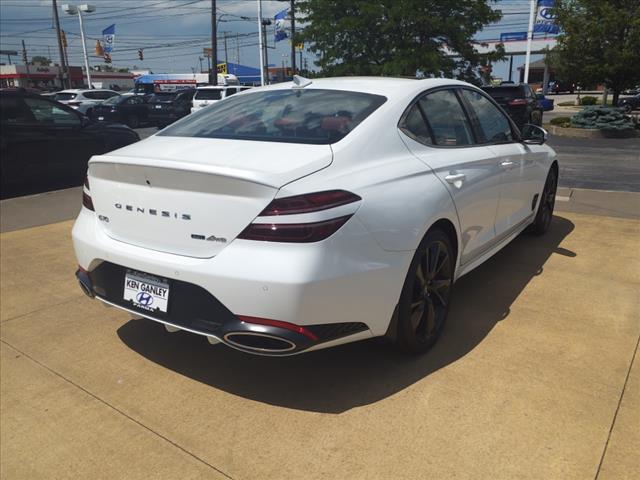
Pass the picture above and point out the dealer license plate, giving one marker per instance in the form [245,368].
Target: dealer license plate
[146,291]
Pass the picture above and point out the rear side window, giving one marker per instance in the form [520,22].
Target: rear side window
[92,95]
[64,96]
[494,125]
[208,94]
[231,91]
[414,126]
[311,116]
[447,119]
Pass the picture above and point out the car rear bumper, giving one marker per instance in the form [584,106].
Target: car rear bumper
[342,289]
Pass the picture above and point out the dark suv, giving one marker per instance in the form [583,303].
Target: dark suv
[166,107]
[519,101]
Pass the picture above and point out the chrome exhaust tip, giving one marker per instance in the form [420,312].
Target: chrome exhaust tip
[259,342]
[85,283]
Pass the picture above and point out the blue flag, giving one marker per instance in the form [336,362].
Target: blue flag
[109,38]
[281,24]
[545,19]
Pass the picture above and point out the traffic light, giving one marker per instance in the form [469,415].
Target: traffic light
[140,54]
[107,57]
[99,50]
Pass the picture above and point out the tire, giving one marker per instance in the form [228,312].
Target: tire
[425,298]
[133,121]
[542,222]
[627,108]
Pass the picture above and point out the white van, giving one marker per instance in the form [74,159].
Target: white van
[211,94]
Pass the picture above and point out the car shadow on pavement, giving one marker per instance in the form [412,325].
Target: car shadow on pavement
[338,379]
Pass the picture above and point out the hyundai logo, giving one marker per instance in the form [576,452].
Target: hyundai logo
[547,13]
[145,299]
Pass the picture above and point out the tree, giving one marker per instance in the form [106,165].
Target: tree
[396,37]
[40,60]
[599,43]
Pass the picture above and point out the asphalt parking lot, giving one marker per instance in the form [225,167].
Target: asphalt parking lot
[534,376]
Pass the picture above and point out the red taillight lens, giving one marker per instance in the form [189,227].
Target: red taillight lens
[277,323]
[518,101]
[87,202]
[293,232]
[311,202]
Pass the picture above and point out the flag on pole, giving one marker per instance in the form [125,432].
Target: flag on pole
[109,38]
[545,18]
[281,20]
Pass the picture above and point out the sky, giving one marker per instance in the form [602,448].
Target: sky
[174,32]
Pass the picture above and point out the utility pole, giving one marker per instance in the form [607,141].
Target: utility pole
[265,46]
[25,59]
[261,42]
[213,73]
[64,72]
[84,49]
[226,53]
[237,52]
[293,32]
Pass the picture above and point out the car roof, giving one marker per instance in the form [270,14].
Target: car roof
[390,87]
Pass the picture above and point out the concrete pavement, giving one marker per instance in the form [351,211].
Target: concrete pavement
[534,377]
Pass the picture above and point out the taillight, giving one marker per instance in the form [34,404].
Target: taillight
[302,232]
[311,202]
[293,232]
[87,202]
[517,101]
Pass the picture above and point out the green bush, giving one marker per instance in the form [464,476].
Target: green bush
[588,100]
[561,121]
[603,118]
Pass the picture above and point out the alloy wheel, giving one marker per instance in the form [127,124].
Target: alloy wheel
[431,291]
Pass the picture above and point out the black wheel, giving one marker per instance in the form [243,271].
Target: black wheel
[543,218]
[627,108]
[424,302]
[133,121]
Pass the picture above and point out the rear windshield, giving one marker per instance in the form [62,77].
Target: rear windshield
[208,94]
[65,96]
[115,100]
[504,92]
[163,97]
[294,116]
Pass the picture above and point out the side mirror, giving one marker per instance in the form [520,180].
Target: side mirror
[533,134]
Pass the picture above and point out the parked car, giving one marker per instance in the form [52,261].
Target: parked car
[211,94]
[45,145]
[630,103]
[83,100]
[632,91]
[560,87]
[519,101]
[128,109]
[165,108]
[545,103]
[310,214]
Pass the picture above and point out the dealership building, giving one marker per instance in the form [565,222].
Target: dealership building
[48,77]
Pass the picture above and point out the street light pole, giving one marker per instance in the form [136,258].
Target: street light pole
[73,10]
[261,45]
[213,74]
[84,49]
[527,58]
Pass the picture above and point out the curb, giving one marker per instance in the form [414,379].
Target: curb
[588,132]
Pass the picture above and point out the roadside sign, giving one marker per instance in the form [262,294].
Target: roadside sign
[513,36]
[206,52]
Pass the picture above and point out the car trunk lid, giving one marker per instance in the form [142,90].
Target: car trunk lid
[193,196]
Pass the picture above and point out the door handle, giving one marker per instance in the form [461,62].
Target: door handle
[455,179]
[507,164]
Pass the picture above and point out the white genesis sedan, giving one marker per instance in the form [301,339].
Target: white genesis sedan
[313,213]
